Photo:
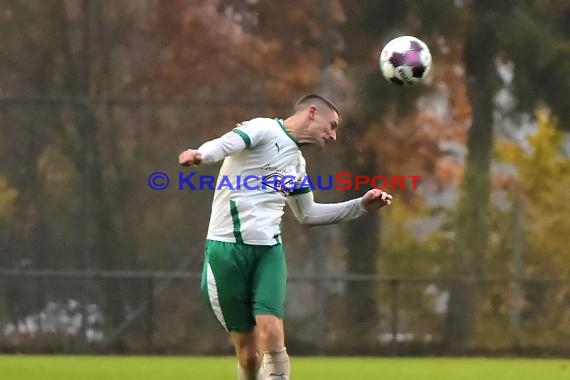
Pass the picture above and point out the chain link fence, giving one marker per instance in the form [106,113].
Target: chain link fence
[68,312]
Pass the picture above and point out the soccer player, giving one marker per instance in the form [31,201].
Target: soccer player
[244,275]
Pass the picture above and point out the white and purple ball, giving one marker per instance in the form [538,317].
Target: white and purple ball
[405,61]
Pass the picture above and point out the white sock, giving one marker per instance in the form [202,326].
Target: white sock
[243,376]
[276,365]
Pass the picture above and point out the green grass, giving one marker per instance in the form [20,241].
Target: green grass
[22,367]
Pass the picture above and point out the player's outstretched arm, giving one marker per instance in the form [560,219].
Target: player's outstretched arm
[213,150]
[308,212]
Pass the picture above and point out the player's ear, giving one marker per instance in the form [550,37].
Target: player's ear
[312,111]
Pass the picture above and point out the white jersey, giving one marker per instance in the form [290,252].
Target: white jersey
[253,184]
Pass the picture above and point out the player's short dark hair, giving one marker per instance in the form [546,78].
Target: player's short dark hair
[305,100]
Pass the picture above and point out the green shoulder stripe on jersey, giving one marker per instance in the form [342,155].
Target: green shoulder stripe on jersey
[236,223]
[244,136]
[302,190]
[287,132]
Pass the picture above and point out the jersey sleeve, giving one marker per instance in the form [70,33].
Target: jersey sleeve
[218,149]
[254,132]
[308,212]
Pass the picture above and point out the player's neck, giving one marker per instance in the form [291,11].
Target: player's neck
[298,128]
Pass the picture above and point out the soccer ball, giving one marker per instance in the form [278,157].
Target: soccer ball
[405,61]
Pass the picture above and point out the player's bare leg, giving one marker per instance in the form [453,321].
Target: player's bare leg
[249,357]
[272,342]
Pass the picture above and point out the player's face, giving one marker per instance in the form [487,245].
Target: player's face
[324,123]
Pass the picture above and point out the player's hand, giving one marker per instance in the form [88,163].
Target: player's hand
[375,199]
[190,157]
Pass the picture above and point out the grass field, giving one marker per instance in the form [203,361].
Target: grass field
[303,368]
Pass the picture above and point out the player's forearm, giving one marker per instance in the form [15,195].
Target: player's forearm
[218,149]
[310,213]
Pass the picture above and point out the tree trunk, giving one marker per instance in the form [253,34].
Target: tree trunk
[362,244]
[472,224]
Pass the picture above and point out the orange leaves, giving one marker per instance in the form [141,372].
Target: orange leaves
[232,50]
[198,50]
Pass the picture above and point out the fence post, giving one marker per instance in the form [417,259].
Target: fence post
[149,313]
[516,288]
[395,284]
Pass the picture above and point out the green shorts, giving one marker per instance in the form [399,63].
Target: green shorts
[240,281]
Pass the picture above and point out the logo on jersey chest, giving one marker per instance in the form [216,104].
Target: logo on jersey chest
[281,182]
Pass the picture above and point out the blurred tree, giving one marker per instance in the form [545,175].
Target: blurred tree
[480,50]
[482,34]
[531,237]
[28,227]
[488,37]
[236,51]
[403,124]
[542,172]
[65,54]
[535,38]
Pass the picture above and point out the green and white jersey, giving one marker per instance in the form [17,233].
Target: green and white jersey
[253,184]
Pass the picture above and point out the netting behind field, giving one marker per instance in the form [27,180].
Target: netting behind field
[78,312]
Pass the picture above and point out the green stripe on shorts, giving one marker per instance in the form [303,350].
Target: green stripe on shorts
[235,220]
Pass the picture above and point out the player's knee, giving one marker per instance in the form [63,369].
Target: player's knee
[249,359]
[271,332]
